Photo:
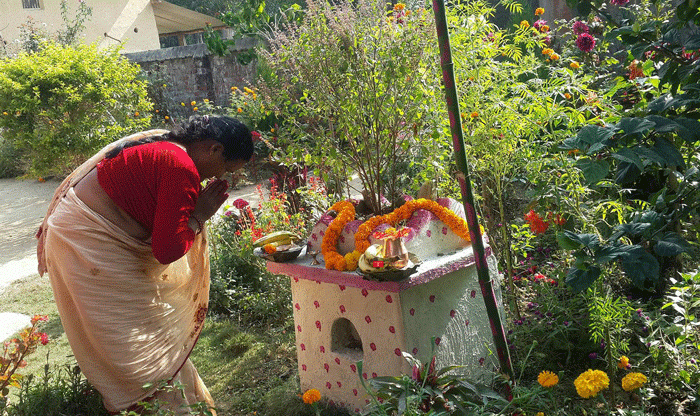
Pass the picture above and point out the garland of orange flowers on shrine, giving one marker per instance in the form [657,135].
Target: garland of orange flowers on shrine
[346,213]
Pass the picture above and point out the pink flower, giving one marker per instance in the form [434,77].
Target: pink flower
[579,28]
[256,136]
[539,23]
[44,338]
[585,42]
[619,2]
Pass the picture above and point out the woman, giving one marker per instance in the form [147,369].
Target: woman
[125,248]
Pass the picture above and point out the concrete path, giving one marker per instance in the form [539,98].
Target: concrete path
[23,205]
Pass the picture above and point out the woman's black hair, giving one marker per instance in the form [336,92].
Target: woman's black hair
[230,132]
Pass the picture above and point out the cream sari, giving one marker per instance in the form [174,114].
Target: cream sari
[129,319]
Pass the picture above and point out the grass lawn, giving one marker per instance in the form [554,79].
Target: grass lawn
[249,372]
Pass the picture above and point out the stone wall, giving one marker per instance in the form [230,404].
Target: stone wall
[183,74]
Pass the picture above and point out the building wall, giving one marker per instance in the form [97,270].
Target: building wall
[137,28]
[191,73]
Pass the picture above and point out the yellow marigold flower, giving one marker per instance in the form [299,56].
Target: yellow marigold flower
[206,100]
[474,114]
[547,379]
[234,88]
[525,24]
[539,11]
[567,96]
[248,90]
[272,130]
[351,260]
[195,109]
[165,85]
[136,113]
[554,56]
[193,103]
[311,396]
[399,6]
[167,118]
[539,414]
[182,104]
[623,363]
[591,382]
[547,51]
[240,110]
[575,65]
[4,113]
[633,381]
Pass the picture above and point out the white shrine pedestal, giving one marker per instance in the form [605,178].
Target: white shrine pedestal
[341,318]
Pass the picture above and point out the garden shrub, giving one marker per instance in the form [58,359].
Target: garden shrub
[643,153]
[357,86]
[61,104]
[10,159]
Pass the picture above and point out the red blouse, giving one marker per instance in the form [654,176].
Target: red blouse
[157,184]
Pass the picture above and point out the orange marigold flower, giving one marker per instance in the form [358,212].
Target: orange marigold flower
[399,6]
[311,396]
[575,65]
[567,96]
[624,363]
[539,11]
[547,379]
[269,248]
[525,24]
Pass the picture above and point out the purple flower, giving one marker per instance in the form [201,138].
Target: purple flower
[579,28]
[539,23]
[585,42]
[593,355]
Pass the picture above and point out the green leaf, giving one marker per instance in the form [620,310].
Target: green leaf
[631,229]
[627,173]
[628,155]
[593,170]
[640,266]
[669,152]
[595,135]
[670,245]
[568,240]
[582,279]
[635,125]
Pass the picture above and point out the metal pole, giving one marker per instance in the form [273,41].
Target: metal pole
[482,269]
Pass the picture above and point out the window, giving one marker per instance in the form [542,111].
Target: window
[31,4]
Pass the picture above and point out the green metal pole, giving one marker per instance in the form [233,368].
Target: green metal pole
[499,336]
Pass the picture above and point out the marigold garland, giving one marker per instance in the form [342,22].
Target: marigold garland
[346,213]
[456,224]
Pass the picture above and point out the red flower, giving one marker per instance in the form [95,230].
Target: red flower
[537,225]
[240,204]
[585,42]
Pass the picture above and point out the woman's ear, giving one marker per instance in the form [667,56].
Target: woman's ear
[216,148]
